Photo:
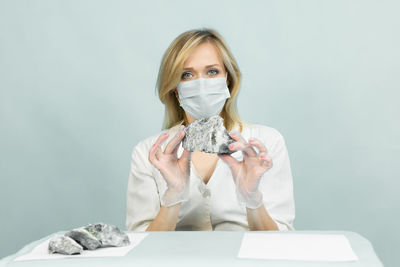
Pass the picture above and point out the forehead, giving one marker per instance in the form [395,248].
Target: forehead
[203,55]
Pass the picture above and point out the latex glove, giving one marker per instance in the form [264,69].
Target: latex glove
[248,172]
[176,172]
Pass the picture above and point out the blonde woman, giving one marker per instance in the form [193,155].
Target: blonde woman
[171,188]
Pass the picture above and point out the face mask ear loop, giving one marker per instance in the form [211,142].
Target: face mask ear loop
[226,80]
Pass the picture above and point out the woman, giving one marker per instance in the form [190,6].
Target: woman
[171,188]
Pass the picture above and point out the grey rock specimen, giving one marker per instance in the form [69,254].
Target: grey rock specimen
[84,237]
[108,235]
[64,245]
[90,237]
[207,135]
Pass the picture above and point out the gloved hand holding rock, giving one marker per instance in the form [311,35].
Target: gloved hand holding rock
[176,172]
[247,173]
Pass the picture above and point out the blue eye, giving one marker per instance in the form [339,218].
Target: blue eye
[215,71]
[184,75]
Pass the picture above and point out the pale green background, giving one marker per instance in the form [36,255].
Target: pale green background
[77,92]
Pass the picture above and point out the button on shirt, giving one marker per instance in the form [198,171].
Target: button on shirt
[211,206]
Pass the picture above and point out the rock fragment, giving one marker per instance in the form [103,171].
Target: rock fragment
[207,135]
[84,238]
[64,245]
[108,235]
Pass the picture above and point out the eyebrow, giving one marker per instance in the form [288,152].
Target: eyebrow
[208,66]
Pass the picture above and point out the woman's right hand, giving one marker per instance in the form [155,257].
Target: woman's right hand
[176,172]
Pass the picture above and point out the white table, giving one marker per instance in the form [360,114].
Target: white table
[196,248]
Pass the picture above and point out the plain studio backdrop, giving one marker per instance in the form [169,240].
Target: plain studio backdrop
[77,92]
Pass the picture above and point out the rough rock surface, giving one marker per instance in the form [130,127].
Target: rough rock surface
[207,135]
[90,237]
[108,235]
[84,237]
[64,245]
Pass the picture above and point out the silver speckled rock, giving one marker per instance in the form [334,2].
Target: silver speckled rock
[84,237]
[108,235]
[207,135]
[64,245]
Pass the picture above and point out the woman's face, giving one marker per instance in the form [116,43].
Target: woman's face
[203,62]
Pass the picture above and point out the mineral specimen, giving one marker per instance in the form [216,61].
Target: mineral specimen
[84,237]
[64,245]
[108,235]
[90,237]
[207,135]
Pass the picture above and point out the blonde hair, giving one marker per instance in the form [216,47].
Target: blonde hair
[170,72]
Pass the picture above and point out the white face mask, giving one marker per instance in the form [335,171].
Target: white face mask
[203,97]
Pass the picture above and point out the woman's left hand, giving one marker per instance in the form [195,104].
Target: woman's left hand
[247,173]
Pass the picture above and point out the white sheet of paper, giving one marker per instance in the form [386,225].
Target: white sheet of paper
[40,251]
[300,247]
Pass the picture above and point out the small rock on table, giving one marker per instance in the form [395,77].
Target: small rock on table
[108,235]
[90,237]
[84,238]
[64,245]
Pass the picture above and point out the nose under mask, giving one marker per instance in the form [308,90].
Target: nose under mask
[203,97]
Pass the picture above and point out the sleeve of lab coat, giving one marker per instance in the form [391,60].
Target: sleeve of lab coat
[143,202]
[277,186]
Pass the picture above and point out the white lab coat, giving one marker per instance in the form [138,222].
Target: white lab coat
[211,206]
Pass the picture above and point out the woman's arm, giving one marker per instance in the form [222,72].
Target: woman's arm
[144,212]
[166,219]
[259,219]
[261,184]
[176,173]
[277,189]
